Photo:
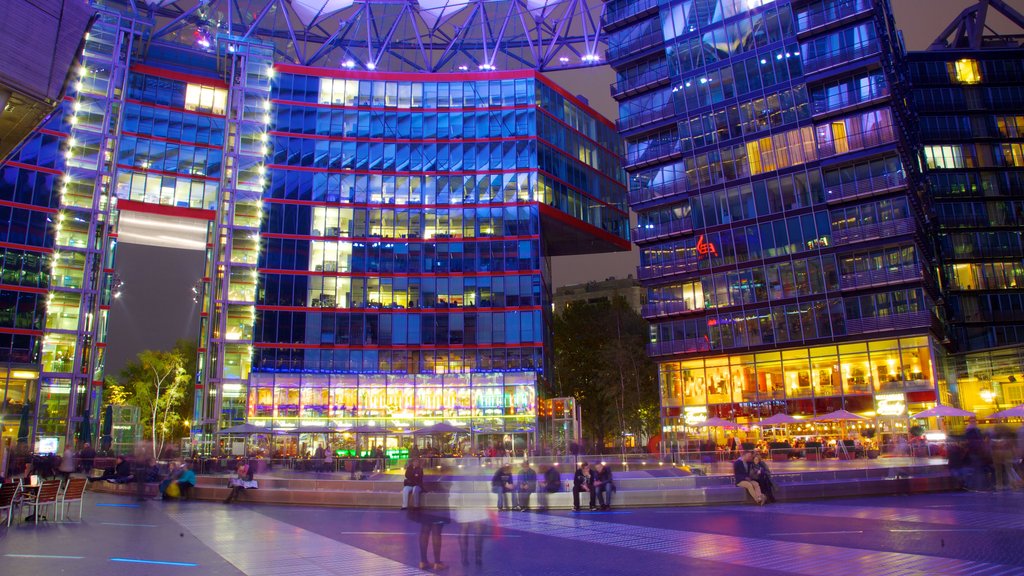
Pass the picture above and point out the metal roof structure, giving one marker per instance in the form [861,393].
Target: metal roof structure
[970,30]
[396,35]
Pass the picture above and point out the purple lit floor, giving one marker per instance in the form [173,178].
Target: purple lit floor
[963,533]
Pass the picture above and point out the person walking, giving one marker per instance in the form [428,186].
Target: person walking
[67,462]
[526,484]
[318,458]
[604,486]
[413,483]
[741,473]
[501,484]
[583,481]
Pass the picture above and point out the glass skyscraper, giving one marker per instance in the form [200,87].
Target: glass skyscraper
[969,101]
[781,221]
[377,243]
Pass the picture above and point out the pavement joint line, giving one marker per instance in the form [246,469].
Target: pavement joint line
[46,556]
[804,558]
[812,533]
[128,524]
[307,548]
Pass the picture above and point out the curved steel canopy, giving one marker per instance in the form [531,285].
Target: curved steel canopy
[397,35]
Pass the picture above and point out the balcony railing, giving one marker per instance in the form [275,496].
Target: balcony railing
[649,78]
[862,141]
[623,49]
[847,99]
[864,187]
[651,231]
[645,272]
[657,309]
[823,61]
[653,152]
[648,193]
[890,322]
[645,117]
[622,11]
[832,12]
[882,277]
[873,231]
[678,346]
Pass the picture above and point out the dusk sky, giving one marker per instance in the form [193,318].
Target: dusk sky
[157,309]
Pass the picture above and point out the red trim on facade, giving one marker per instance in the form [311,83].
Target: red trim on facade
[20,331]
[398,274]
[30,289]
[400,240]
[365,108]
[112,235]
[410,205]
[26,247]
[403,76]
[43,169]
[101,344]
[173,108]
[162,210]
[52,132]
[269,308]
[171,141]
[582,226]
[328,137]
[104,306]
[302,346]
[10,204]
[166,173]
[180,76]
[397,172]
[575,100]
[97,382]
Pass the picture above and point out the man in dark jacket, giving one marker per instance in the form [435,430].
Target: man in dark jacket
[583,481]
[741,474]
[526,484]
[501,484]
[552,483]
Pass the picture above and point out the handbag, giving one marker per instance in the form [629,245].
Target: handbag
[173,490]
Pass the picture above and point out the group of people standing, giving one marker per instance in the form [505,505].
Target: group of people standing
[752,474]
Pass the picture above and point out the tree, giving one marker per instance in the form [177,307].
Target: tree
[157,383]
[601,360]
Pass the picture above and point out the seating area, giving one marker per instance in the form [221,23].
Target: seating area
[53,497]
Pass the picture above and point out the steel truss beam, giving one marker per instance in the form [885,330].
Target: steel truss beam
[397,35]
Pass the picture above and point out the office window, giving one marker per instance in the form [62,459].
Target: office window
[205,98]
[943,157]
[965,71]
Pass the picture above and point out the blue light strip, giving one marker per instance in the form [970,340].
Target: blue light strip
[118,505]
[159,562]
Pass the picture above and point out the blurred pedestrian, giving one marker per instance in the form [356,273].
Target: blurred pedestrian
[526,484]
[552,483]
[67,462]
[86,458]
[501,484]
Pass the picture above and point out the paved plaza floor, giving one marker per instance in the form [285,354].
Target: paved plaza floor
[962,533]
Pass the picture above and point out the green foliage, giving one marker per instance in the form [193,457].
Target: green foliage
[601,360]
[159,383]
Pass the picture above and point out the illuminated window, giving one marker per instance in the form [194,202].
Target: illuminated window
[205,98]
[1013,155]
[839,137]
[943,157]
[965,71]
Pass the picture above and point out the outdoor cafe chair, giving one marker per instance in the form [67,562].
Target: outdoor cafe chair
[9,498]
[45,496]
[74,491]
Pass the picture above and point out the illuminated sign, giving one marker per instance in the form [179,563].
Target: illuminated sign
[706,248]
[694,414]
[890,404]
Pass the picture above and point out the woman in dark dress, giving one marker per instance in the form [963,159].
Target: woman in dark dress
[759,471]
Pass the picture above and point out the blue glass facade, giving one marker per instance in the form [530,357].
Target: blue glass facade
[780,227]
[377,245]
[403,267]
